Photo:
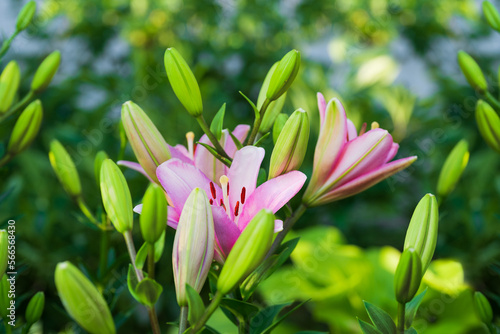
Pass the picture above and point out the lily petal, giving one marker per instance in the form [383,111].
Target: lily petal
[351,130]
[180,152]
[226,231]
[278,226]
[206,162]
[240,132]
[322,108]
[392,152]
[135,166]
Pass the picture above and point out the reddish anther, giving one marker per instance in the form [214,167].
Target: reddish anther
[236,209]
[243,193]
[212,190]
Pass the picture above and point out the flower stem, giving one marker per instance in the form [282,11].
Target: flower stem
[401,318]
[18,106]
[257,122]
[153,319]
[86,211]
[103,253]
[183,319]
[6,158]
[287,226]
[492,100]
[151,261]
[208,312]
[211,136]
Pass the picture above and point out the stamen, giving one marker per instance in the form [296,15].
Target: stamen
[222,204]
[224,182]
[190,142]
[363,129]
[375,125]
[243,193]
[211,202]
[212,190]
[236,208]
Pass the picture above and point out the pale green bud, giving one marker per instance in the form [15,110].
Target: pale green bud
[274,108]
[194,245]
[25,15]
[472,72]
[35,308]
[116,196]
[483,308]
[183,82]
[423,229]
[453,168]
[491,15]
[99,158]
[149,147]
[291,146]
[9,83]
[4,254]
[278,126]
[82,300]
[408,276]
[154,214]
[488,124]
[46,71]
[283,75]
[248,251]
[65,169]
[26,128]
[6,307]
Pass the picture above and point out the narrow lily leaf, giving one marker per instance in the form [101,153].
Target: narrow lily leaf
[195,303]
[265,318]
[278,321]
[141,256]
[382,321]
[132,282]
[367,328]
[236,141]
[215,153]
[311,332]
[411,331]
[159,247]
[148,292]
[412,308]
[261,140]
[257,114]
[241,310]
[217,122]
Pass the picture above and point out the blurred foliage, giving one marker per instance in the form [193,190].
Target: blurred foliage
[389,61]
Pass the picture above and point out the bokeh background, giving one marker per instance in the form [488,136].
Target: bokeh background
[389,61]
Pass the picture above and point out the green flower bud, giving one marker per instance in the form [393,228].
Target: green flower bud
[483,308]
[82,300]
[193,245]
[472,72]
[99,158]
[423,229]
[278,126]
[491,15]
[26,128]
[46,71]
[149,147]
[183,82]
[291,146]
[453,167]
[35,308]
[116,196]
[9,83]
[154,214]
[65,169]
[274,108]
[283,75]
[488,123]
[25,15]
[248,251]
[4,245]
[5,302]
[408,276]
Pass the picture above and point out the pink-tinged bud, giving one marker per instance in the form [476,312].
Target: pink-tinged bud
[150,149]
[193,245]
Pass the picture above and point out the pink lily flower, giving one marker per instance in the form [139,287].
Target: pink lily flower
[236,200]
[345,164]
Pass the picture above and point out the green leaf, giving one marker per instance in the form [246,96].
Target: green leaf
[380,319]
[256,111]
[275,324]
[236,141]
[265,318]
[367,328]
[132,282]
[141,256]
[261,139]
[411,330]
[195,303]
[214,152]
[412,308]
[148,291]
[241,310]
[217,122]
[159,247]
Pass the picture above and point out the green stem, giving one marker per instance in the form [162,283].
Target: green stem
[6,44]
[8,328]
[183,319]
[153,319]
[151,261]
[242,326]
[492,100]
[401,318]
[26,328]
[287,226]
[257,122]
[86,211]
[18,106]
[208,312]
[103,253]
[211,136]
[6,158]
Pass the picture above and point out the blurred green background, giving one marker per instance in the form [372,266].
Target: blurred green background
[389,61]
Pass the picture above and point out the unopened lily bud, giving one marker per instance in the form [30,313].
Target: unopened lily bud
[9,83]
[183,82]
[283,75]
[472,72]
[483,308]
[46,71]
[488,123]
[278,126]
[248,251]
[154,214]
[491,14]
[149,147]
[99,158]
[291,146]
[193,245]
[116,196]
[82,300]
[26,128]
[35,308]
[4,245]
[5,297]
[423,229]
[408,276]
[65,169]
[274,108]
[25,15]
[453,168]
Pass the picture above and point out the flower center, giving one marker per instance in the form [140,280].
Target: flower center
[224,201]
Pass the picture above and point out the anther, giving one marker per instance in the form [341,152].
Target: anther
[243,193]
